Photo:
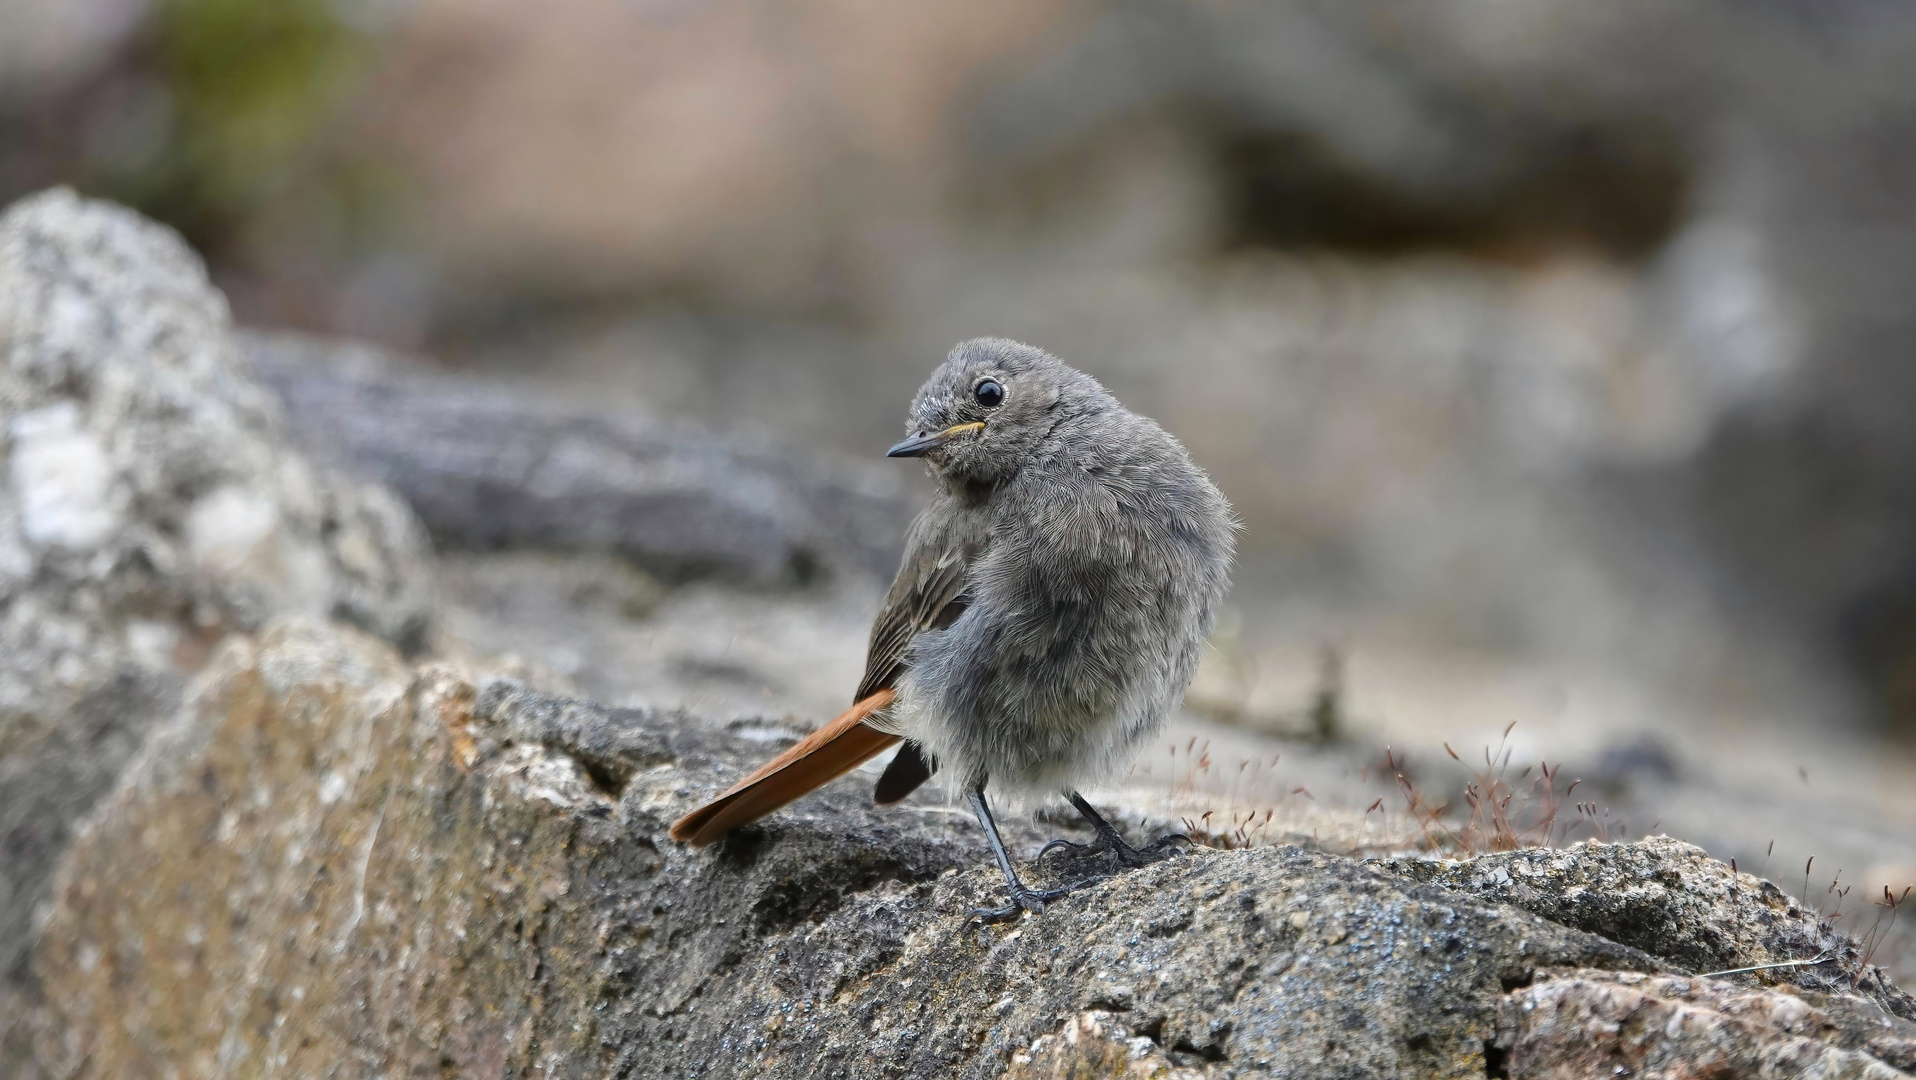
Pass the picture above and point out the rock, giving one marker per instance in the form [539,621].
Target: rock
[1096,1043]
[1359,128]
[1579,1024]
[1670,898]
[330,860]
[150,502]
[489,465]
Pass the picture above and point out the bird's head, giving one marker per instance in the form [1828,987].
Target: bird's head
[987,409]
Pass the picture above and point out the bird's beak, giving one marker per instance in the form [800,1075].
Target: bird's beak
[922,444]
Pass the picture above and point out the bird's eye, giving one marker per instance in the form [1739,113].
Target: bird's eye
[988,393]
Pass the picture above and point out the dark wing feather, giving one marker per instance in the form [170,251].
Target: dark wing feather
[928,594]
[930,585]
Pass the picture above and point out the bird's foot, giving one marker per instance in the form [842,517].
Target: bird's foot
[1023,898]
[1114,846]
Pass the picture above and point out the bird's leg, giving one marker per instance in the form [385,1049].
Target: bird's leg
[1023,897]
[1109,842]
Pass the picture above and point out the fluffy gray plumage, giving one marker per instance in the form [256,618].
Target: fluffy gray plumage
[1055,597]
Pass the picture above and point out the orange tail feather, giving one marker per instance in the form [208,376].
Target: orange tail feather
[821,757]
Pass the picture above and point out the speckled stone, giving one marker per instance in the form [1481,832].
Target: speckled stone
[333,864]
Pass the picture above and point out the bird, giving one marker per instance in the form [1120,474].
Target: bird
[1052,604]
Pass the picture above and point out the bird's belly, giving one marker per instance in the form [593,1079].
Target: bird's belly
[1038,711]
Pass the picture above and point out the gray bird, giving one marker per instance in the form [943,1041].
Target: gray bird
[1050,609]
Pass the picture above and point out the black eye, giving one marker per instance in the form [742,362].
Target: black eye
[988,393]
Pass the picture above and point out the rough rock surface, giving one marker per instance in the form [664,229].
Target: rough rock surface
[489,465]
[1673,899]
[150,502]
[1579,1024]
[332,864]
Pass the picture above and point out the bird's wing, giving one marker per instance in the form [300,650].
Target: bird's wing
[928,593]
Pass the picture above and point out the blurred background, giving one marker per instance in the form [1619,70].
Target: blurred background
[1554,354]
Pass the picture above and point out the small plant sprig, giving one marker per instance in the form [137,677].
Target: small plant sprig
[1505,812]
[1872,940]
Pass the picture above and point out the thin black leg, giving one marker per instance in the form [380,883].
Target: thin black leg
[1110,842]
[1023,897]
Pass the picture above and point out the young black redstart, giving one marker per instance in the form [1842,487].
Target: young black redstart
[1048,614]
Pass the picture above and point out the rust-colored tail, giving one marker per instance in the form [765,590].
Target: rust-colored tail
[821,757]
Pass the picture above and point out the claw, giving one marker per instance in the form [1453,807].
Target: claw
[1158,849]
[1056,844]
[1110,844]
[1024,899]
[989,915]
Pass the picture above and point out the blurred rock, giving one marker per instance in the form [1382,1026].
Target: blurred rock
[327,857]
[150,503]
[1382,127]
[697,153]
[491,465]
[48,45]
[618,635]
[1643,758]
